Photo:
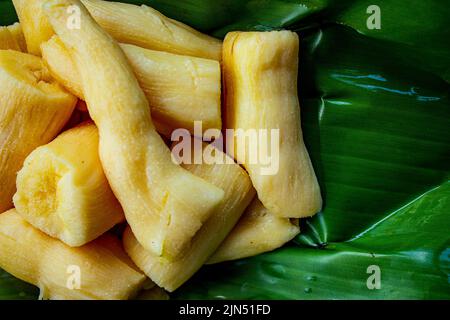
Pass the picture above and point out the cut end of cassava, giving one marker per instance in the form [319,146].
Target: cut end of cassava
[260,74]
[48,198]
[62,190]
[98,270]
[239,192]
[257,231]
[145,27]
[180,215]
[42,185]
[180,89]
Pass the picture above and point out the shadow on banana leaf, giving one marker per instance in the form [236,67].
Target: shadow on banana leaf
[404,256]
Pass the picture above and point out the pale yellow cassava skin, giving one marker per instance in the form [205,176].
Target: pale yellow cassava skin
[11,37]
[238,194]
[33,110]
[62,190]
[61,66]
[139,25]
[179,89]
[164,204]
[105,271]
[257,231]
[35,25]
[145,27]
[260,76]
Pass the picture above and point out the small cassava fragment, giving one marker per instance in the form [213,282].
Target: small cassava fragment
[170,274]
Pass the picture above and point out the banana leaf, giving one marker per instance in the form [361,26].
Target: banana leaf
[376,118]
[410,247]
[376,127]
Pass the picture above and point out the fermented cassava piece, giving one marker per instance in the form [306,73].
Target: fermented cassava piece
[145,27]
[257,231]
[11,37]
[260,71]
[61,65]
[179,89]
[98,270]
[35,25]
[139,25]
[33,109]
[63,191]
[238,194]
[164,204]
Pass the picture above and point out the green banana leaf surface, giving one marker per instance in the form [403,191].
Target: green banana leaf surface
[376,120]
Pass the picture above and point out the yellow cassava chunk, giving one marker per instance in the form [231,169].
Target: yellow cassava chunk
[63,191]
[260,76]
[98,270]
[164,204]
[238,194]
